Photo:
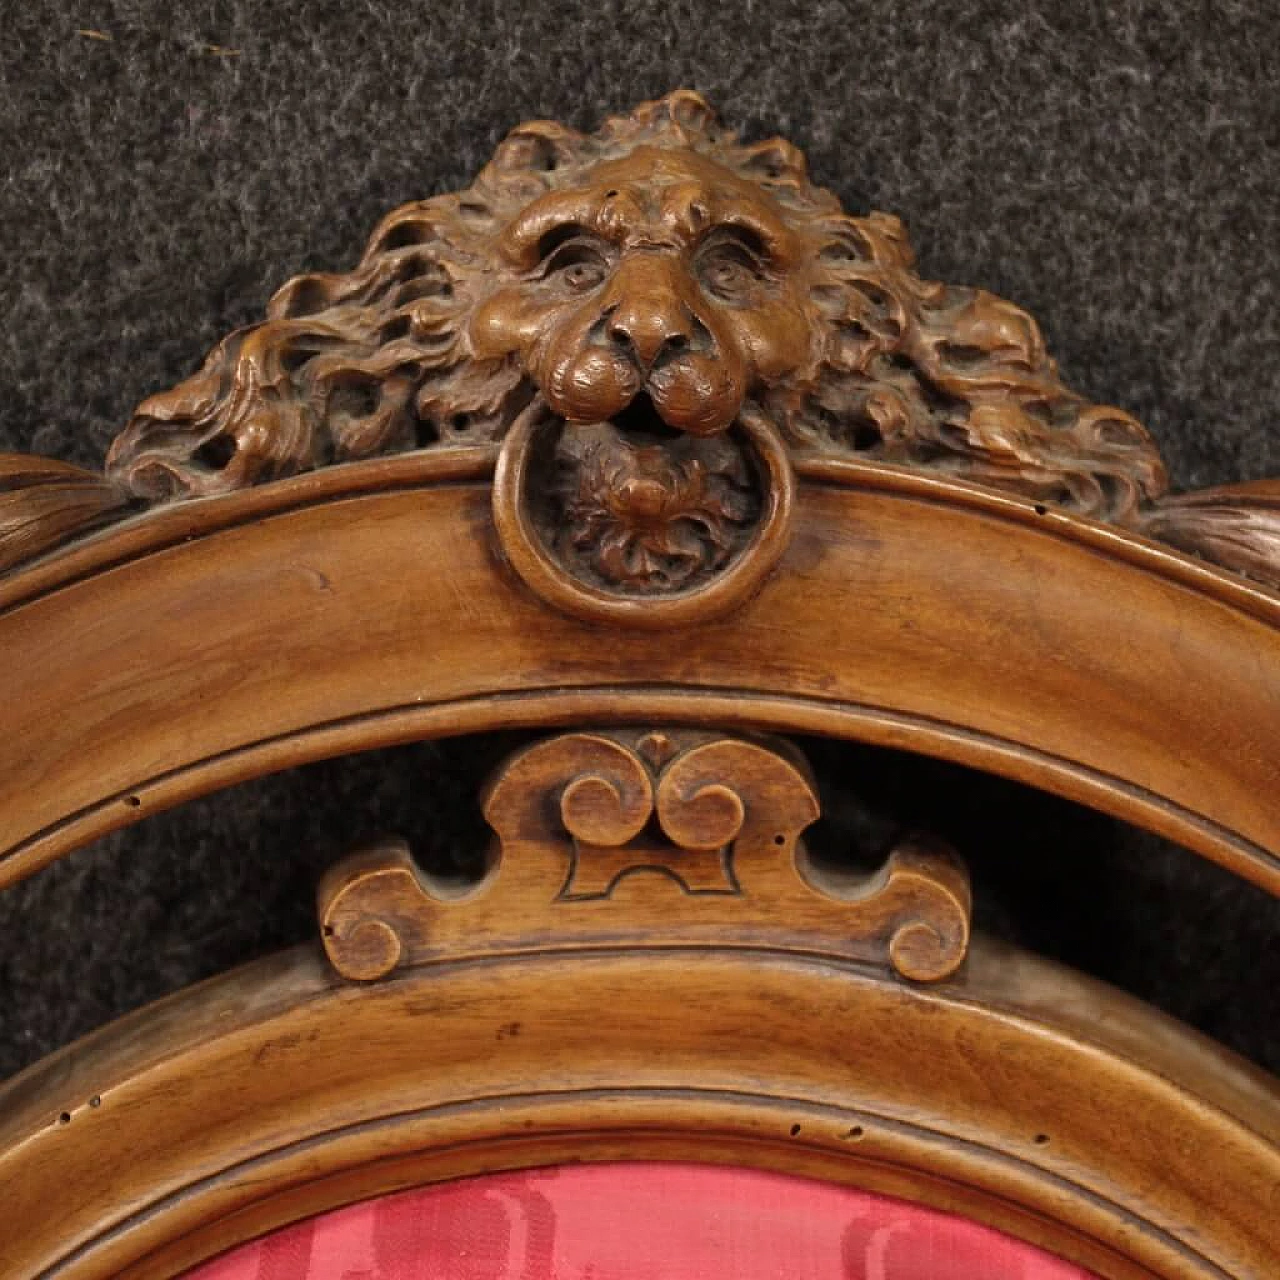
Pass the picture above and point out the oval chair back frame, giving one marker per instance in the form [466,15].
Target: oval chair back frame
[645,440]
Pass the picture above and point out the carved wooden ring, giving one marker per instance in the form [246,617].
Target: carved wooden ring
[712,595]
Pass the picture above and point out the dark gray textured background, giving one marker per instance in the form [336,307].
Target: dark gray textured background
[1113,167]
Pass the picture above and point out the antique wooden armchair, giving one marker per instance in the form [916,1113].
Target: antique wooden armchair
[646,445]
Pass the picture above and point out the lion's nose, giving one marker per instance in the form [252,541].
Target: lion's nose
[650,329]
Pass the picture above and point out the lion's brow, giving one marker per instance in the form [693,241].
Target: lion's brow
[762,234]
[548,214]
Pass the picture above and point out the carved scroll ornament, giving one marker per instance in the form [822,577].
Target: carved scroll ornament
[655,839]
[655,323]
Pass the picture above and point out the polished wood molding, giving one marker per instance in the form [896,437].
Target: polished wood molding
[365,605]
[846,501]
[1012,1093]
[650,838]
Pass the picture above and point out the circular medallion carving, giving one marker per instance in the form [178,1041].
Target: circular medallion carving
[632,521]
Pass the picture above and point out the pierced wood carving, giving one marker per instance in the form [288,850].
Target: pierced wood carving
[657,275]
[654,322]
[650,838]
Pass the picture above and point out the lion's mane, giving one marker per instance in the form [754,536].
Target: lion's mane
[377,360]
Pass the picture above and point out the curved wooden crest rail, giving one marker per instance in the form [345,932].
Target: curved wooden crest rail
[647,441]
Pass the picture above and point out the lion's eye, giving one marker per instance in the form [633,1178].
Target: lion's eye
[579,266]
[729,272]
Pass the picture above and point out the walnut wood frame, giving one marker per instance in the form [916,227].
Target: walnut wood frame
[791,532]
[348,609]
[1015,1094]
[291,622]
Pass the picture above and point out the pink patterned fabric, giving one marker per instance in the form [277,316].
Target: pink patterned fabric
[637,1222]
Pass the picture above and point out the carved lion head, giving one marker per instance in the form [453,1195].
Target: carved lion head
[656,275]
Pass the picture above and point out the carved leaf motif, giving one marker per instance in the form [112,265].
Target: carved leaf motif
[1237,527]
[647,518]
[44,503]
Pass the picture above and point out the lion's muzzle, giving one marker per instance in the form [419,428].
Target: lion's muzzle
[646,333]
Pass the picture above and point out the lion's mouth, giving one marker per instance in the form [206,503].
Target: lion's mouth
[643,424]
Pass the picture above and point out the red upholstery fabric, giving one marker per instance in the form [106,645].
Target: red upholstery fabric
[637,1222]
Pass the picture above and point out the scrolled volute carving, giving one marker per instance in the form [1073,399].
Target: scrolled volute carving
[652,838]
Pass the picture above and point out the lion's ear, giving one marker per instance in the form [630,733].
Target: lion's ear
[688,111]
[775,161]
[850,241]
[542,146]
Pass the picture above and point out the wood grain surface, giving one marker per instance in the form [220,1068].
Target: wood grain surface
[366,605]
[1014,1093]
[683,453]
